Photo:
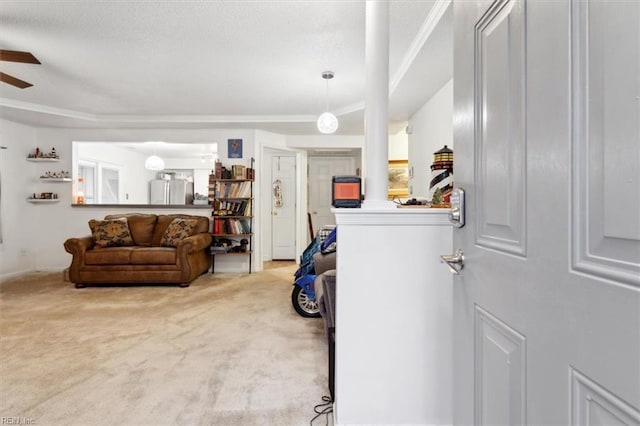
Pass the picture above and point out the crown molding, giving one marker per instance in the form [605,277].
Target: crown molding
[45,109]
[160,118]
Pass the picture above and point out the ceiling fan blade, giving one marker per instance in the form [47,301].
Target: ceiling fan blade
[6,78]
[17,56]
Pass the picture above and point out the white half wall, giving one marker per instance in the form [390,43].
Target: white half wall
[394,304]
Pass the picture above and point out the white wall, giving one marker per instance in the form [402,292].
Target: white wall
[399,146]
[19,178]
[431,129]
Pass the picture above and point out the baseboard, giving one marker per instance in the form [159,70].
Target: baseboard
[51,269]
[10,275]
[17,274]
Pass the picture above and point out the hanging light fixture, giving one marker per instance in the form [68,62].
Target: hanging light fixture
[153,162]
[327,122]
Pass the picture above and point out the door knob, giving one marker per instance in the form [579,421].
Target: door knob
[455,262]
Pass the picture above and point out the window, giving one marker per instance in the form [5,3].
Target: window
[109,185]
[87,171]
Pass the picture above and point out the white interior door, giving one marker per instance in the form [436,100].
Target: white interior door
[321,170]
[283,207]
[547,146]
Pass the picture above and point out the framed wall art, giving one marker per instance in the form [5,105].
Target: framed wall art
[234,148]
[398,184]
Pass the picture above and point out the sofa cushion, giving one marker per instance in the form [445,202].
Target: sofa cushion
[178,230]
[140,225]
[162,223]
[108,256]
[164,220]
[109,233]
[153,256]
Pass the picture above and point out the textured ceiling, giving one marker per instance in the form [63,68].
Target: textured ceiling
[208,63]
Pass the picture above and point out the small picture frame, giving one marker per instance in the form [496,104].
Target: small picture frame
[398,185]
[234,148]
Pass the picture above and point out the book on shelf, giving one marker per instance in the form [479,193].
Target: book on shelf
[238,171]
[232,208]
[230,190]
[231,226]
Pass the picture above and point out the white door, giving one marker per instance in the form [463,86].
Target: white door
[547,146]
[321,170]
[283,207]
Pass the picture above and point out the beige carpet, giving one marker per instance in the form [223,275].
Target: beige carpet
[228,350]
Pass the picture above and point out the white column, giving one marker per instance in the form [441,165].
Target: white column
[376,103]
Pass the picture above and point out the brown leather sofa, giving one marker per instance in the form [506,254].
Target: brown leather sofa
[147,260]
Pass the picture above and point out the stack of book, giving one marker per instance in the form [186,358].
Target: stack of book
[232,208]
[232,190]
[231,226]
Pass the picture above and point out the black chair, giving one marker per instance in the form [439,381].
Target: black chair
[327,311]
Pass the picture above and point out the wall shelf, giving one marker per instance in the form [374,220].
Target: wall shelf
[43,200]
[43,159]
[52,196]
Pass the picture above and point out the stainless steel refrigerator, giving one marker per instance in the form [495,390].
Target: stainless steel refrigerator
[174,191]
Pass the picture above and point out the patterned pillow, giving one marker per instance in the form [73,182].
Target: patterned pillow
[109,233]
[177,230]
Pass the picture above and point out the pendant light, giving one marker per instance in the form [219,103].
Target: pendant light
[327,122]
[153,162]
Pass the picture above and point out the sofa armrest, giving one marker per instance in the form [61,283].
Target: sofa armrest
[324,262]
[78,246]
[194,243]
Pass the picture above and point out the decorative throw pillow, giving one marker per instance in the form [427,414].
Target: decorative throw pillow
[177,230]
[109,233]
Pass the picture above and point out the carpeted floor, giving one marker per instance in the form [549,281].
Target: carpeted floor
[228,350]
